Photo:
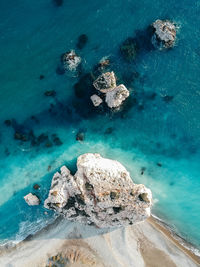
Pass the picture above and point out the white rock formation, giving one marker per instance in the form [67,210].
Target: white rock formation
[164,33]
[105,82]
[96,100]
[115,97]
[32,200]
[100,193]
[71,60]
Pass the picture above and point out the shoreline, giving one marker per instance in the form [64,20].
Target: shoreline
[55,237]
[182,244]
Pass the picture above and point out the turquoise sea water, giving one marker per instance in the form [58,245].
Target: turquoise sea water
[161,136]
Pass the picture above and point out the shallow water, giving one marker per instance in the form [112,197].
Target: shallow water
[163,137]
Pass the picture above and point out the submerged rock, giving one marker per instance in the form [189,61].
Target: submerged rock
[71,60]
[164,33]
[167,98]
[32,200]
[36,186]
[105,82]
[84,87]
[82,41]
[80,136]
[21,136]
[8,122]
[129,49]
[100,193]
[50,93]
[41,77]
[58,2]
[115,97]
[56,140]
[96,100]
[60,70]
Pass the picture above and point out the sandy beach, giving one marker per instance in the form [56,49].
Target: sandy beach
[146,244]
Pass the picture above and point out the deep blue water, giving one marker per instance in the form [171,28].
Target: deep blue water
[163,137]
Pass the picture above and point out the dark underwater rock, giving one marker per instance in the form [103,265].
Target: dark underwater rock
[7,152]
[21,136]
[60,70]
[109,130]
[84,86]
[42,138]
[82,41]
[150,95]
[129,77]
[41,77]
[56,140]
[8,122]
[36,186]
[80,136]
[143,39]
[159,164]
[50,93]
[48,144]
[143,169]
[58,2]
[129,49]
[34,118]
[167,98]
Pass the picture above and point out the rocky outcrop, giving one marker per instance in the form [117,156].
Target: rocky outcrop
[105,82]
[115,97]
[96,100]
[164,33]
[71,60]
[100,193]
[32,200]
[129,49]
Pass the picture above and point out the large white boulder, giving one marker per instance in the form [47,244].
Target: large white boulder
[96,100]
[32,200]
[105,82]
[115,97]
[164,33]
[100,193]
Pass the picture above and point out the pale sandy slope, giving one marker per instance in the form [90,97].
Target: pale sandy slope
[135,246]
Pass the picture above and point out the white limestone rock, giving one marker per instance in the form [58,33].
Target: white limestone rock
[164,33]
[71,60]
[105,82]
[100,193]
[115,97]
[96,100]
[32,200]
[63,186]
